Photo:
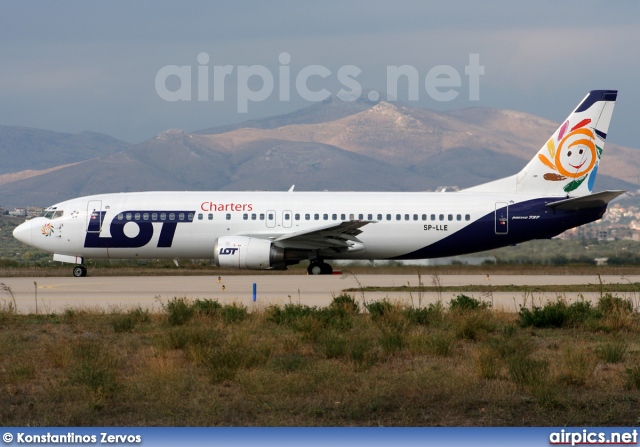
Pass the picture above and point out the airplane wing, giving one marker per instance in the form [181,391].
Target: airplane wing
[338,236]
[584,202]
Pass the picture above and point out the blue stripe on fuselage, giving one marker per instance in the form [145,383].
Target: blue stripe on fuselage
[523,226]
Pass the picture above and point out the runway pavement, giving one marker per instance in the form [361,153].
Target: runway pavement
[58,294]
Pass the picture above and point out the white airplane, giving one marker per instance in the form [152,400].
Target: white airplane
[271,230]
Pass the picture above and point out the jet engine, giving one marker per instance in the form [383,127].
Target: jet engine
[248,253]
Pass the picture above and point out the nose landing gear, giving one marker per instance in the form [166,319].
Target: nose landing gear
[79,271]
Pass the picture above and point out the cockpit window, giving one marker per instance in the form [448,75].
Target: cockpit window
[58,214]
[48,214]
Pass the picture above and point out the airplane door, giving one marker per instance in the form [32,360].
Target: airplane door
[287,217]
[502,218]
[271,219]
[94,216]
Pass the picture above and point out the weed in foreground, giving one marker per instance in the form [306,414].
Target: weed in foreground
[526,371]
[363,354]
[94,367]
[613,352]
[633,377]
[487,364]
[441,344]
[577,366]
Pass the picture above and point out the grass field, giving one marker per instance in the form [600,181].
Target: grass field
[200,363]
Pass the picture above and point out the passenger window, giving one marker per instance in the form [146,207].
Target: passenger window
[307,217]
[137,216]
[181,216]
[424,217]
[253,216]
[406,217]
[261,216]
[199,216]
[210,217]
[351,217]
[343,217]
[120,216]
[286,216]
[467,217]
[145,216]
[398,217]
[245,216]
[388,216]
[270,216]
[415,217]
[459,217]
[228,216]
[360,216]
[334,216]
[325,217]
[379,216]
[369,216]
[129,216]
[190,216]
[172,216]
[316,217]
[433,217]
[297,216]
[154,216]
[450,216]
[441,216]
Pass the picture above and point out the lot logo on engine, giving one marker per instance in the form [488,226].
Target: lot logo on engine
[228,251]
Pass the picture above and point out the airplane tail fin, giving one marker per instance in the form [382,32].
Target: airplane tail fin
[567,163]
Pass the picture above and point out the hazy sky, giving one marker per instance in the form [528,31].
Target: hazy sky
[87,65]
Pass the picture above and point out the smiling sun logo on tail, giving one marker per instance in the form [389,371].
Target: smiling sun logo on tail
[572,156]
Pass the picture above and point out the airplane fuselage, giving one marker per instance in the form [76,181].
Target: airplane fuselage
[401,225]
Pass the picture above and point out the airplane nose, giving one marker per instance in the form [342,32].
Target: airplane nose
[23,233]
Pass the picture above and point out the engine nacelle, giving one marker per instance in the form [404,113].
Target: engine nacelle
[247,253]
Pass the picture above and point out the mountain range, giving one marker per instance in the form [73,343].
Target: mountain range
[333,145]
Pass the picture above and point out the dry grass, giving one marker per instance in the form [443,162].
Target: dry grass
[297,366]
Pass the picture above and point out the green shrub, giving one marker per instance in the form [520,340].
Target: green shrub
[206,306]
[464,302]
[179,311]
[426,315]
[557,314]
[345,303]
[377,309]
[609,304]
[234,313]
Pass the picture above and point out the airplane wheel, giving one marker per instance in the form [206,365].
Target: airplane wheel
[326,269]
[319,268]
[79,271]
[315,268]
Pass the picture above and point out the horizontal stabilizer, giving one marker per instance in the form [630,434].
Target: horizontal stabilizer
[584,202]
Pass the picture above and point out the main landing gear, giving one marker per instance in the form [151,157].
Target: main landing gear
[319,268]
[79,271]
